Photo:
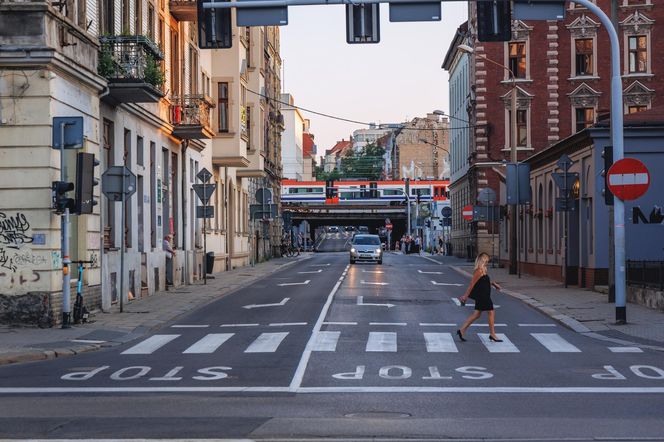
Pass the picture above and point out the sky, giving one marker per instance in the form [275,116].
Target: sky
[390,82]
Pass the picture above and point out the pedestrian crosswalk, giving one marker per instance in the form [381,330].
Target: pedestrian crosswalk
[376,342]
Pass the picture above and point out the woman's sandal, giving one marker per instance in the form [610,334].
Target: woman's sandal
[462,301]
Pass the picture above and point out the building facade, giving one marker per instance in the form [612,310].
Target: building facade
[292,153]
[422,146]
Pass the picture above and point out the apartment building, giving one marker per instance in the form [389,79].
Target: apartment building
[292,153]
[422,146]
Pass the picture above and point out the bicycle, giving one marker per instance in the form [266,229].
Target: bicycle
[81,312]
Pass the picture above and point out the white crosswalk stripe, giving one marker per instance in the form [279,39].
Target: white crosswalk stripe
[150,345]
[382,342]
[625,350]
[266,343]
[498,347]
[555,343]
[209,343]
[326,341]
[440,343]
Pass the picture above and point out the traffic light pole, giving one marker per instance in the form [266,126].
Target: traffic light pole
[66,277]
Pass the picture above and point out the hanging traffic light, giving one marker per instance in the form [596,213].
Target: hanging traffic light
[215,30]
[607,155]
[60,201]
[494,20]
[85,182]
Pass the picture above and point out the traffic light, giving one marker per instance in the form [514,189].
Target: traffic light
[60,201]
[215,29]
[494,20]
[607,155]
[85,182]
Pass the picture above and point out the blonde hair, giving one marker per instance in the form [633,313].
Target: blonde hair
[481,262]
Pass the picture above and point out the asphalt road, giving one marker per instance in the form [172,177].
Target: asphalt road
[330,350]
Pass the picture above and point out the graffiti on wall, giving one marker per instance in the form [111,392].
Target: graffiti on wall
[14,230]
[19,265]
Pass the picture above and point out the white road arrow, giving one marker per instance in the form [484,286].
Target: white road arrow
[360,301]
[430,273]
[276,304]
[374,283]
[314,271]
[294,283]
[446,283]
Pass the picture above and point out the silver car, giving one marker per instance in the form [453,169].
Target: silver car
[366,248]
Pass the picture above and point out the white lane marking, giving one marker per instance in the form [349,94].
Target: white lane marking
[87,341]
[625,350]
[382,342]
[437,324]
[239,325]
[537,325]
[339,323]
[209,343]
[189,326]
[452,284]
[308,390]
[374,283]
[314,271]
[360,301]
[555,343]
[458,303]
[286,324]
[296,382]
[319,265]
[372,271]
[274,304]
[266,343]
[389,323]
[440,343]
[486,325]
[294,283]
[150,345]
[498,347]
[429,273]
[326,341]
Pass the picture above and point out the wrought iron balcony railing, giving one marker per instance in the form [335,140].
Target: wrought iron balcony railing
[190,116]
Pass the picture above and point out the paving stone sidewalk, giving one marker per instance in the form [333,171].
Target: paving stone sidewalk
[23,344]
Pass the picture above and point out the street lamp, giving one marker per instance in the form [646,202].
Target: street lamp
[513,149]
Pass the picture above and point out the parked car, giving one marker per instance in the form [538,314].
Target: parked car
[366,248]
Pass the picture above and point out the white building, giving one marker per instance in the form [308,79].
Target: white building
[362,137]
[292,156]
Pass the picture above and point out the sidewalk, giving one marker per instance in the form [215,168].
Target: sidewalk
[582,310]
[140,316]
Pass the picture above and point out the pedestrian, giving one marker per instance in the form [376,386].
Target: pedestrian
[418,245]
[440,244]
[170,254]
[479,289]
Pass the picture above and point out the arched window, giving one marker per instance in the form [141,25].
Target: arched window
[540,217]
[530,223]
[549,214]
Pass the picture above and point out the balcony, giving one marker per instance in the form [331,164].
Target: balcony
[183,10]
[190,117]
[272,169]
[132,66]
[256,168]
[229,152]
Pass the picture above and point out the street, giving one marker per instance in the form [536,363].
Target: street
[327,349]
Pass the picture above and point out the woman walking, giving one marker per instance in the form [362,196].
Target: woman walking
[480,290]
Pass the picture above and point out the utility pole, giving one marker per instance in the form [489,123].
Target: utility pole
[513,159]
[66,276]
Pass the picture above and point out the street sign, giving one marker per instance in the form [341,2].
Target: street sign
[541,10]
[518,183]
[204,175]
[565,204]
[628,179]
[487,196]
[111,183]
[204,211]
[263,196]
[565,162]
[565,181]
[446,211]
[467,213]
[73,132]
[264,211]
[486,213]
[415,11]
[263,16]
[204,191]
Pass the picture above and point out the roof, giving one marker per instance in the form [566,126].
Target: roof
[307,144]
[458,39]
[650,117]
[340,147]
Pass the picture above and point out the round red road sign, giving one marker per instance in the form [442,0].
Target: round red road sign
[628,179]
[467,213]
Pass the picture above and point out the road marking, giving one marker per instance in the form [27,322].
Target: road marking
[326,341]
[374,283]
[339,323]
[453,284]
[389,323]
[458,303]
[382,342]
[360,301]
[429,273]
[486,325]
[319,265]
[537,325]
[439,324]
[150,345]
[431,259]
[625,350]
[209,343]
[440,343]
[313,271]
[294,283]
[555,343]
[286,324]
[372,271]
[266,343]
[239,325]
[276,304]
[498,347]
[189,326]
[296,382]
[87,341]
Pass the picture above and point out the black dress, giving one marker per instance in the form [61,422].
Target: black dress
[481,293]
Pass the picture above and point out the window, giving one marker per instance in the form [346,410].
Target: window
[638,54]
[106,17]
[175,62]
[635,109]
[138,17]
[140,154]
[423,192]
[150,21]
[248,36]
[222,106]
[249,144]
[584,56]
[517,61]
[585,117]
[521,127]
[109,160]
[125,17]
[193,70]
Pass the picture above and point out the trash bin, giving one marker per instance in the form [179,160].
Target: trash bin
[209,262]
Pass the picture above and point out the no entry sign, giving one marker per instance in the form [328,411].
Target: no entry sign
[468,213]
[628,179]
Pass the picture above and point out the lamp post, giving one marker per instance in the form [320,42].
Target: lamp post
[513,151]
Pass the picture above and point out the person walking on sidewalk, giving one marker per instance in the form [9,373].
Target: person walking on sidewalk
[170,254]
[479,289]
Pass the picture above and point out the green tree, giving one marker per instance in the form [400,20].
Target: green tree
[366,164]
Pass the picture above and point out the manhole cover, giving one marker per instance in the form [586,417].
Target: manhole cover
[377,415]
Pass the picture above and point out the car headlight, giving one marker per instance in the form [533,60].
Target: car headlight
[378,251]
[352,250]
